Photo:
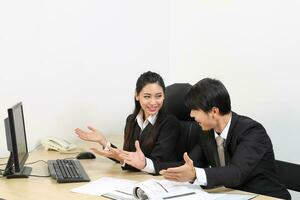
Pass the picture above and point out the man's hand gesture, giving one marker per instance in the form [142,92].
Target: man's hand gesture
[183,173]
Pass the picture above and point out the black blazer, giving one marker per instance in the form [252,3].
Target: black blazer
[249,159]
[165,142]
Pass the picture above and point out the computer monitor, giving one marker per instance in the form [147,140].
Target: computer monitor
[16,143]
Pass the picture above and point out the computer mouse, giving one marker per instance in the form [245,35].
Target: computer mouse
[86,155]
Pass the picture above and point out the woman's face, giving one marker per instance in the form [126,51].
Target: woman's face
[151,99]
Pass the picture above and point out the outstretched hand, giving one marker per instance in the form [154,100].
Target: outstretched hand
[183,173]
[113,153]
[136,159]
[93,135]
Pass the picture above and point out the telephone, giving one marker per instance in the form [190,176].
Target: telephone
[57,144]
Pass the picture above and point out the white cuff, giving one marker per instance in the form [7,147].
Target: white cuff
[123,164]
[149,168]
[200,177]
[107,146]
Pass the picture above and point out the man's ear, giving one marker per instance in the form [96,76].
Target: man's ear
[215,111]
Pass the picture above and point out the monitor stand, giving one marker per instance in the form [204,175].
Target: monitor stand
[9,170]
[23,174]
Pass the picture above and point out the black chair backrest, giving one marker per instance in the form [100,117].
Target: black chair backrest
[189,137]
[174,100]
[289,174]
[190,130]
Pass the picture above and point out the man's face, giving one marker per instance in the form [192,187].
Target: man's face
[205,120]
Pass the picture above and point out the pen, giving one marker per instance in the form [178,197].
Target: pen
[179,195]
[124,192]
[253,196]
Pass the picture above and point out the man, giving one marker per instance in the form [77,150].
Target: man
[237,148]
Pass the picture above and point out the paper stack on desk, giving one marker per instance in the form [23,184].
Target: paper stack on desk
[152,189]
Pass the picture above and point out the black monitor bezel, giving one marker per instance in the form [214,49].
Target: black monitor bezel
[18,163]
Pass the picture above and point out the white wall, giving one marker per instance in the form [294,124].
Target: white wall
[67,60]
[75,63]
[251,46]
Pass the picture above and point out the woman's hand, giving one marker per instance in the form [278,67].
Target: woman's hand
[93,135]
[111,153]
[136,159]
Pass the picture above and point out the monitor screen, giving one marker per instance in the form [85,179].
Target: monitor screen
[16,143]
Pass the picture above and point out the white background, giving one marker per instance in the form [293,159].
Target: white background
[253,47]
[75,63]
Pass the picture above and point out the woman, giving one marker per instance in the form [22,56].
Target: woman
[150,134]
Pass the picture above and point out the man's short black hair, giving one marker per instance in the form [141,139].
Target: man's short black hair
[208,93]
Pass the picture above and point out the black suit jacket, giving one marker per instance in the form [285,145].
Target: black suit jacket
[249,159]
[165,142]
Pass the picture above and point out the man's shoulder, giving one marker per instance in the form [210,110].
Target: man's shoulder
[245,127]
[244,121]
[242,125]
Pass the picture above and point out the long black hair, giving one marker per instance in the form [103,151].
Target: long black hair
[144,79]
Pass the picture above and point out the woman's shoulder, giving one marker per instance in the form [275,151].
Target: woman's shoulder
[130,118]
[169,118]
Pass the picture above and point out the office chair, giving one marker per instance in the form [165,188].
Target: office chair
[189,129]
[174,100]
[289,174]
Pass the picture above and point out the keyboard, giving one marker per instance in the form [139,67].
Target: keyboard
[67,171]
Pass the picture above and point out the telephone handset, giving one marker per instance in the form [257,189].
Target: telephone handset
[57,144]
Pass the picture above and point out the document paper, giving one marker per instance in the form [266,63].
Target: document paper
[103,185]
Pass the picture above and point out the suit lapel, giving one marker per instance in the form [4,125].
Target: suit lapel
[234,120]
[144,134]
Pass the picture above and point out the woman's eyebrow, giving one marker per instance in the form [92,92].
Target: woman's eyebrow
[146,93]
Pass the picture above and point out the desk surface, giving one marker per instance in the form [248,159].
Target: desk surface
[47,188]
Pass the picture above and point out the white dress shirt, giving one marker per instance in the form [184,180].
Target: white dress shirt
[201,178]
[142,124]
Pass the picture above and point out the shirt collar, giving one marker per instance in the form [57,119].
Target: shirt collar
[142,124]
[224,133]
